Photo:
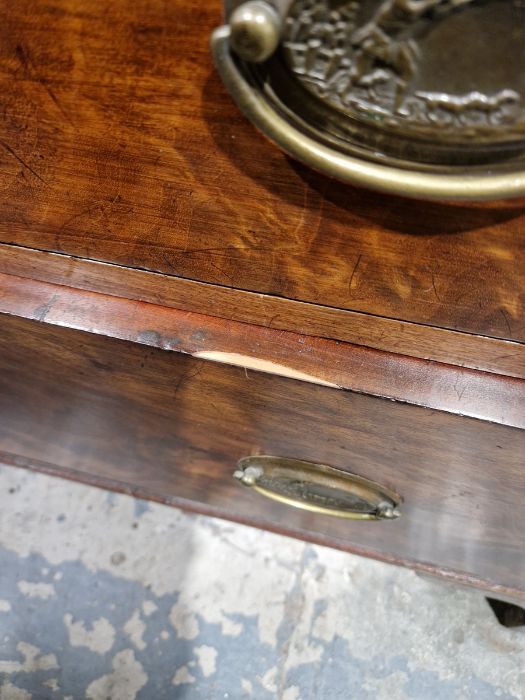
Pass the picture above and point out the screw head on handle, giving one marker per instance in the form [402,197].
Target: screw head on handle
[388,511]
[255,30]
[249,475]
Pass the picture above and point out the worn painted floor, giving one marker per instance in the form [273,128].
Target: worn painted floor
[103,596]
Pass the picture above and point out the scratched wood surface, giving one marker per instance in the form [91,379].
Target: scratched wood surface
[482,395]
[118,143]
[172,427]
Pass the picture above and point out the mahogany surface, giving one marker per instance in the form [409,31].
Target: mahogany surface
[172,427]
[119,143]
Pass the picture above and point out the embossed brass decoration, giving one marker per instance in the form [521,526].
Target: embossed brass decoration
[318,488]
[419,97]
[382,61]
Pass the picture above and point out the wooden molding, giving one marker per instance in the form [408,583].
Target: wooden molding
[332,363]
[423,342]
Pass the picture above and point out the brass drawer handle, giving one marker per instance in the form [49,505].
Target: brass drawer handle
[318,488]
[366,93]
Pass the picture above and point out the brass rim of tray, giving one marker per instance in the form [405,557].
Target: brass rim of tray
[484,184]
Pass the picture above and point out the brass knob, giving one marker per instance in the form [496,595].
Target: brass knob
[255,31]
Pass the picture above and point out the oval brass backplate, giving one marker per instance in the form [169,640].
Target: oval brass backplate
[318,488]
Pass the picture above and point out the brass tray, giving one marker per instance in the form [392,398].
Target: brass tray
[418,97]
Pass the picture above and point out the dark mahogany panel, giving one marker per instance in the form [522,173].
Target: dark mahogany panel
[171,427]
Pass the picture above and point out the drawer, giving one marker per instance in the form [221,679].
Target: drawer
[170,427]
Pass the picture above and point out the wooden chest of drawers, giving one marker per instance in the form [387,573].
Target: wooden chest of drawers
[176,294]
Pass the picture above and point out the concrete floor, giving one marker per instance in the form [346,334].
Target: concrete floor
[104,596]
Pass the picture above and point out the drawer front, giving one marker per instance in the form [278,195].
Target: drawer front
[172,428]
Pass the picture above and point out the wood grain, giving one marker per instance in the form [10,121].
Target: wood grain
[118,143]
[312,360]
[172,427]
[424,342]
